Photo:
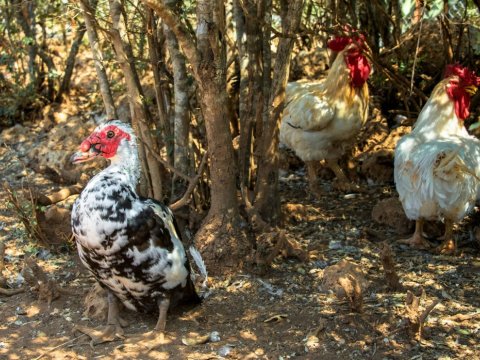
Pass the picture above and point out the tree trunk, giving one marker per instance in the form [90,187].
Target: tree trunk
[267,200]
[155,38]
[25,14]
[221,238]
[151,170]
[181,112]
[418,12]
[89,16]
[249,39]
[70,63]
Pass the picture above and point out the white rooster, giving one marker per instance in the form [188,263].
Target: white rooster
[437,165]
[322,118]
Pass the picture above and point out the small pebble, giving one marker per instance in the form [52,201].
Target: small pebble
[225,350]
[334,245]
[20,311]
[214,336]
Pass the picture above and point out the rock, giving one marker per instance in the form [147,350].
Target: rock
[376,147]
[51,156]
[390,212]
[96,303]
[54,223]
[347,280]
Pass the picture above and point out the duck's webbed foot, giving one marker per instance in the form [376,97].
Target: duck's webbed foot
[112,331]
[156,337]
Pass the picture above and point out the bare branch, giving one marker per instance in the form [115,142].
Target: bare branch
[192,183]
[58,196]
[184,37]
[164,163]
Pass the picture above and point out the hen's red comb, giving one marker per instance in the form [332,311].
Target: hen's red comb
[466,75]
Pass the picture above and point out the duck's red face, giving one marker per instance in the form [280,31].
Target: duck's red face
[463,84]
[356,61]
[103,142]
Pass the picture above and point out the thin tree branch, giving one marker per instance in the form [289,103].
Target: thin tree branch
[164,163]
[184,37]
[191,186]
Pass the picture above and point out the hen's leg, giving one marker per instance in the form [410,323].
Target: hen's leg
[312,177]
[417,240]
[448,246]
[342,183]
[113,330]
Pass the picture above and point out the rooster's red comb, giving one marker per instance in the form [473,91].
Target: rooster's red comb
[467,76]
[339,42]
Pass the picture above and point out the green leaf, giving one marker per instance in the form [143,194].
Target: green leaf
[474,126]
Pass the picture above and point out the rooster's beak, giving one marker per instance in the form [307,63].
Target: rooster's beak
[81,156]
[471,89]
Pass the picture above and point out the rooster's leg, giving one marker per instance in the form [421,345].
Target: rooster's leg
[342,183]
[417,240]
[448,245]
[312,177]
[113,330]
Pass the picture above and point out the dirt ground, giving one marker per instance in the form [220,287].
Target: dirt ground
[290,311]
[335,305]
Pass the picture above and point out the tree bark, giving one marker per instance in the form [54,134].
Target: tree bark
[267,200]
[140,116]
[221,238]
[70,63]
[223,218]
[25,14]
[88,10]
[155,38]
[249,41]
[181,112]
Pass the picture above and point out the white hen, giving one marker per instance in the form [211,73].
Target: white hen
[437,165]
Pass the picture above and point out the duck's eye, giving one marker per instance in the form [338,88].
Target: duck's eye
[110,134]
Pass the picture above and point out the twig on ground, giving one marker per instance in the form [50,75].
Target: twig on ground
[11,292]
[414,317]
[3,282]
[27,215]
[388,263]
[58,196]
[2,264]
[58,346]
[39,281]
[271,239]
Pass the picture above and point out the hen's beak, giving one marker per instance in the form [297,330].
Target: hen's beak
[83,156]
[471,89]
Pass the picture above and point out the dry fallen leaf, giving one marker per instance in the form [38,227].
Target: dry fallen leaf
[276,318]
